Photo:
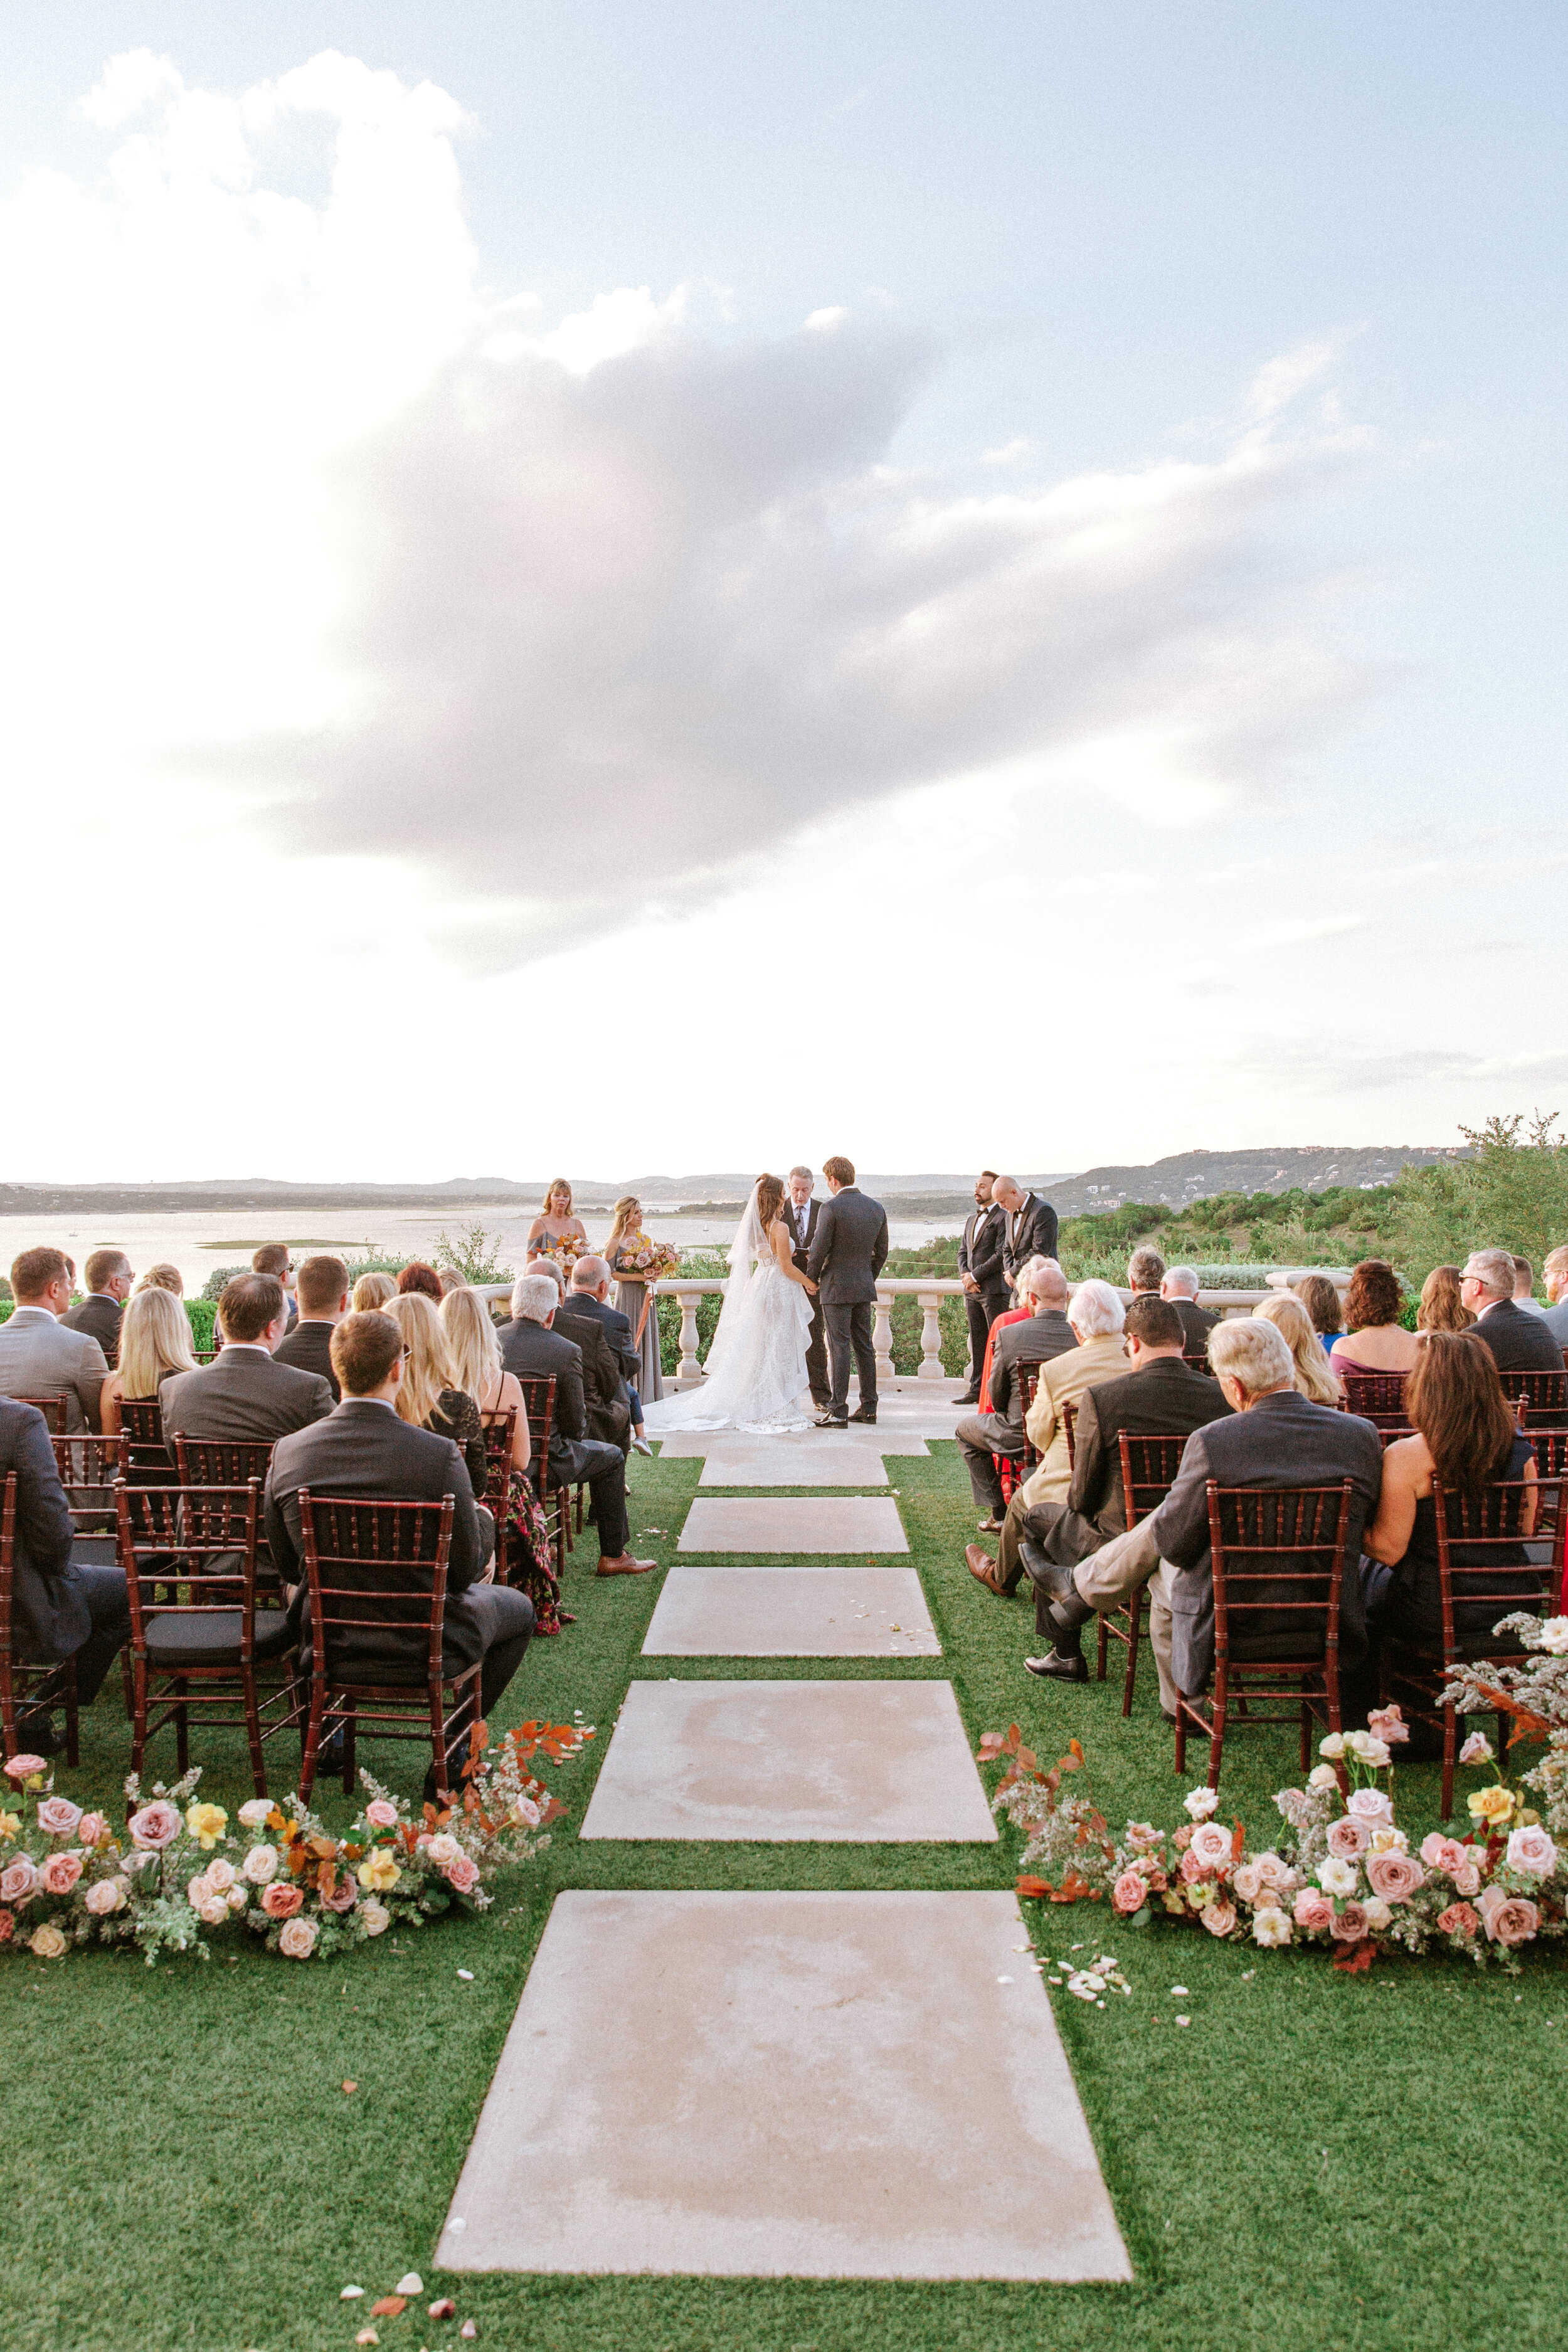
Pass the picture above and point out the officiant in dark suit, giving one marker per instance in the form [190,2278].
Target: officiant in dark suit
[985,1283]
[801,1213]
[1031,1226]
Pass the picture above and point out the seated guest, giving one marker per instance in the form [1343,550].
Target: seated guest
[417,1275]
[245,1396]
[273,1258]
[163,1276]
[1180,1289]
[38,1357]
[1158,1395]
[588,1296]
[1441,1308]
[1520,1342]
[1314,1375]
[1029,1228]
[533,1352]
[373,1291]
[364,1450]
[154,1344]
[1555,1272]
[323,1288]
[1145,1269]
[1374,1340]
[429,1397]
[59,1609]
[1523,1285]
[1098,1319]
[1273,1437]
[1004,1315]
[450,1279]
[1466,1437]
[1320,1298]
[1031,1338]
[552,1267]
[109,1277]
[474,1352]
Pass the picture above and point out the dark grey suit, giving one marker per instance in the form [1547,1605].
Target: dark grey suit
[308,1349]
[1197,1322]
[244,1396]
[1282,1440]
[362,1450]
[848,1255]
[100,1316]
[532,1352]
[1519,1341]
[1165,1399]
[816,1338]
[581,1321]
[59,1610]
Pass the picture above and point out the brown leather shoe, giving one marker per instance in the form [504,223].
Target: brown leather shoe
[982,1567]
[626,1565]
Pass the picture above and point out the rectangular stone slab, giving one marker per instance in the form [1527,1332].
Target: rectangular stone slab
[811,1445]
[791,1612]
[763,1462]
[765,2085]
[796,1525]
[858,1762]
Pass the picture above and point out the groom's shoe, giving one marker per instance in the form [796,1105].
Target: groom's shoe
[831,1421]
[863,1415]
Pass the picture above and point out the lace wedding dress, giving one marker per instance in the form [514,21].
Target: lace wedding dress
[756,1365]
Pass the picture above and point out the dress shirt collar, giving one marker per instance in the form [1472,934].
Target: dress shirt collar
[243,1348]
[46,1313]
[347,1404]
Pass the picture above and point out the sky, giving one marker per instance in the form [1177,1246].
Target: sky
[631,588]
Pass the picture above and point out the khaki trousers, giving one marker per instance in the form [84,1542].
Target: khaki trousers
[1109,1577]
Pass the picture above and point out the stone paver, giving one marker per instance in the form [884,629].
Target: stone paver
[794,1524]
[818,2086]
[759,1463]
[791,1612]
[806,1445]
[865,1762]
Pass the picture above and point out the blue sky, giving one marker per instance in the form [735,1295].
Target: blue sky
[1262,771]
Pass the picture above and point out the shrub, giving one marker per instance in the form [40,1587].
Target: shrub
[473,1254]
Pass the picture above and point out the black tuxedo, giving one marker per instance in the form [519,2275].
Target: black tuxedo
[847,1255]
[364,1451]
[532,1352]
[1196,1323]
[603,1383]
[615,1326]
[100,1317]
[1519,1341]
[980,1254]
[1165,1398]
[308,1349]
[817,1339]
[1031,1231]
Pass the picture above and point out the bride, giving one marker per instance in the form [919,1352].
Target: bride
[756,1365]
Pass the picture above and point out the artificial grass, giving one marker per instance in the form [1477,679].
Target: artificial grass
[1317,2161]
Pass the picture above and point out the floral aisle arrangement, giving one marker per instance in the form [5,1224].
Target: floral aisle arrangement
[1341,1875]
[175,1874]
[637,1259]
[1536,1695]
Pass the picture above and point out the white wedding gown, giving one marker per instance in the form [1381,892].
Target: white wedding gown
[756,1365]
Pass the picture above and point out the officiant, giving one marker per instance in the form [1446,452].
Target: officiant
[801,1212]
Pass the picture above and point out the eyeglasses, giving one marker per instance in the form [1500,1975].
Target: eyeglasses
[408,1351]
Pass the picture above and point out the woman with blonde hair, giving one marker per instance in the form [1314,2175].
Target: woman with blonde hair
[428,1396]
[154,1340]
[1314,1374]
[635,1301]
[1441,1308]
[163,1276]
[474,1352]
[371,1292]
[555,1232]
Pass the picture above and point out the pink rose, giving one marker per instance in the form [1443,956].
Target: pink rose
[19,1880]
[1395,1876]
[280,1901]
[1466,1878]
[156,1826]
[1129,1892]
[23,1768]
[298,1940]
[1191,1869]
[380,1814]
[1388,1724]
[1219,1918]
[1436,1850]
[60,1873]
[343,1897]
[1313,1911]
[1349,1924]
[91,1830]
[1458,1919]
[1370,1805]
[1248,1881]
[58,1817]
[463,1874]
[1349,1838]
[1508,1918]
[1212,1846]
[104,1895]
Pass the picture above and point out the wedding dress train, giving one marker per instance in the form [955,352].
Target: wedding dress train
[756,1366]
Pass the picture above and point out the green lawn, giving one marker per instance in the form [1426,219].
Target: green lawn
[1316,2162]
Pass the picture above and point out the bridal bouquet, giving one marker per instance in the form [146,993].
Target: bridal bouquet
[1343,1875]
[175,1873]
[637,1259]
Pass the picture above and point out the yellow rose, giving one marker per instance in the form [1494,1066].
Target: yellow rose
[48,1942]
[9,1824]
[207,1824]
[378,1872]
[1491,1805]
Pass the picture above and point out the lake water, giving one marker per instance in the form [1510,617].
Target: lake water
[198,1243]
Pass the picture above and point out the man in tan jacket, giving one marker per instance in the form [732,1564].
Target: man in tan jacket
[1096,1314]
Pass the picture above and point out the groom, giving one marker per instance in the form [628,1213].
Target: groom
[847,1255]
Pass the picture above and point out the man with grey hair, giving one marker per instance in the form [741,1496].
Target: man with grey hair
[801,1214]
[531,1349]
[1518,1342]
[1145,1268]
[1179,1288]
[1035,1340]
[108,1277]
[1273,1437]
[1029,1227]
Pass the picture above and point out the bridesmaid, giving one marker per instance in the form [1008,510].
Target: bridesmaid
[634,1295]
[555,1232]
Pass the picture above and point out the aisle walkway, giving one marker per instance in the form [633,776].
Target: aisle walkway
[811,2085]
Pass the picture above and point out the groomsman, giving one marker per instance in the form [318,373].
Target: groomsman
[801,1212]
[980,1271]
[1031,1227]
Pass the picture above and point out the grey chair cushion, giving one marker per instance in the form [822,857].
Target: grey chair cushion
[193,1637]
